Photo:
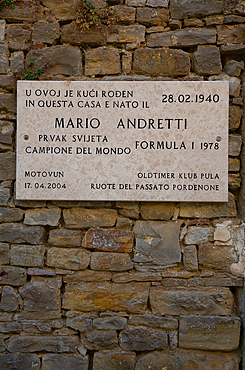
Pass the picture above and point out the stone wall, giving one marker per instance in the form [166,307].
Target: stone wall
[121,285]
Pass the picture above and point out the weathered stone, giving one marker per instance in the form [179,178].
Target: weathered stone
[6,132]
[197,235]
[153,321]
[7,82]
[64,362]
[12,276]
[231,34]
[62,60]
[235,144]
[110,261]
[235,115]
[234,68]
[190,258]
[157,243]
[114,360]
[162,61]
[65,238]
[42,343]
[209,210]
[185,360]
[10,327]
[22,11]
[46,33]
[45,216]
[11,214]
[232,48]
[125,34]
[182,38]
[100,340]
[215,280]
[143,339]
[27,255]
[196,8]
[18,233]
[18,36]
[17,62]
[102,61]
[10,299]
[233,164]
[40,272]
[66,258]
[41,299]
[30,203]
[209,333]
[4,253]
[110,323]
[124,14]
[216,257]
[62,11]
[128,209]
[193,301]
[81,322]
[207,60]
[233,19]
[92,297]
[157,3]
[82,218]
[88,275]
[7,166]
[2,30]
[126,67]
[4,64]
[127,277]
[109,240]
[4,197]
[157,211]
[234,182]
[7,104]
[152,17]
[193,22]
[234,83]
[136,2]
[71,33]
[19,361]
[214,21]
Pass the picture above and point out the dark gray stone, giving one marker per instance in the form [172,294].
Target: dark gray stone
[110,323]
[234,68]
[4,253]
[7,166]
[99,340]
[18,233]
[4,197]
[143,339]
[64,362]
[19,361]
[11,214]
[4,59]
[15,276]
[180,9]
[207,60]
[10,299]
[43,343]
[114,360]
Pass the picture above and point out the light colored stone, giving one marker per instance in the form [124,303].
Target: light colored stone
[110,323]
[207,60]
[102,61]
[62,11]
[222,234]
[46,33]
[124,14]
[197,235]
[234,83]
[6,132]
[153,321]
[43,216]
[65,238]
[92,297]
[203,301]
[126,62]
[135,2]
[2,30]
[142,339]
[209,333]
[157,3]
[114,360]
[66,258]
[235,144]
[27,255]
[64,362]
[190,258]
[152,17]
[126,34]
[196,8]
[87,218]
[109,240]
[4,59]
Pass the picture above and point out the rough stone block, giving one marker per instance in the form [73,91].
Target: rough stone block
[94,36]
[22,11]
[11,214]
[235,115]
[18,233]
[157,3]
[152,17]
[45,216]
[2,30]
[19,361]
[216,257]
[65,238]
[110,323]
[62,11]
[207,60]
[234,164]
[64,362]
[234,68]
[4,197]
[234,83]
[209,210]
[4,64]
[190,258]
[153,321]
[10,327]
[82,322]
[10,299]
[17,62]
[12,276]
[231,34]
[6,132]
[114,360]
[126,277]
[126,69]
[4,254]
[136,2]
[63,60]
[185,360]
[41,298]
[7,104]
[126,34]
[143,339]
[182,38]
[66,258]
[235,145]
[18,36]
[203,301]
[180,9]
[27,255]
[109,240]
[193,22]
[102,61]
[157,211]
[92,297]
[88,275]
[45,33]
[163,62]
[82,218]
[43,343]
[124,14]
[7,166]
[110,261]
[209,333]
[100,340]
[157,243]
[198,235]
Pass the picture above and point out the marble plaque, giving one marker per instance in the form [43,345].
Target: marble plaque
[96,140]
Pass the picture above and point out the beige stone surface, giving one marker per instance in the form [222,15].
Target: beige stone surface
[71,259]
[86,218]
[110,261]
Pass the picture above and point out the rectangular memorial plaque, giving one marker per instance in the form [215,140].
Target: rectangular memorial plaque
[96,140]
